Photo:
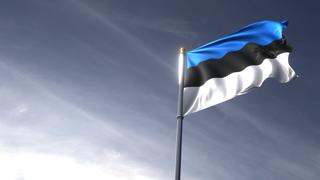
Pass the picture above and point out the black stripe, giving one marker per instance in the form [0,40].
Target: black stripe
[250,54]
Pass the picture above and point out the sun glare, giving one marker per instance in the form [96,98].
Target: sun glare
[180,67]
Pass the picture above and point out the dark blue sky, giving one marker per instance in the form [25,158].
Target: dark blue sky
[88,90]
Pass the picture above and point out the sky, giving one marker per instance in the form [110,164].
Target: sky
[88,90]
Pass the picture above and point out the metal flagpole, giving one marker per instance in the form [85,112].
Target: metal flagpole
[180,117]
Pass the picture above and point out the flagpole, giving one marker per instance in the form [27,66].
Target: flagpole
[180,117]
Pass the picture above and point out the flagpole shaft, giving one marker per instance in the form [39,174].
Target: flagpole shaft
[179,147]
[180,114]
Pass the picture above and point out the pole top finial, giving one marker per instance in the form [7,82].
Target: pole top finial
[182,50]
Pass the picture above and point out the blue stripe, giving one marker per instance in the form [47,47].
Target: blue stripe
[262,33]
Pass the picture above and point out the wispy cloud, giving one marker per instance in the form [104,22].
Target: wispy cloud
[176,27]
[135,41]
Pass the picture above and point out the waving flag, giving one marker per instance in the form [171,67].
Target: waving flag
[233,65]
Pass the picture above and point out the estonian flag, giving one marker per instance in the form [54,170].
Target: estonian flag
[231,66]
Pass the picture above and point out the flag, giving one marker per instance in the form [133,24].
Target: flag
[233,65]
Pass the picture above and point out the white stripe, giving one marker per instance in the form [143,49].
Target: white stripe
[218,90]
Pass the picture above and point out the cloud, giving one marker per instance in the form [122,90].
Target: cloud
[45,137]
[39,166]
